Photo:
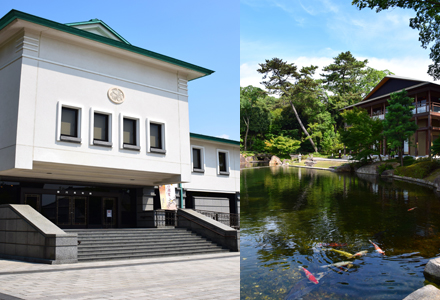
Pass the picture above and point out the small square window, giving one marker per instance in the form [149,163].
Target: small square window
[69,125]
[198,160]
[101,129]
[130,134]
[223,164]
[157,138]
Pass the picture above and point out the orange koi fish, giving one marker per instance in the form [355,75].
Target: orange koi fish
[310,276]
[412,208]
[377,248]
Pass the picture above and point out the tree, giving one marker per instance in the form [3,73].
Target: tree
[371,79]
[285,80]
[398,126]
[343,76]
[435,149]
[282,146]
[363,135]
[248,105]
[427,22]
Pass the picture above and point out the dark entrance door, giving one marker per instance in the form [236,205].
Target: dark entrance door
[71,211]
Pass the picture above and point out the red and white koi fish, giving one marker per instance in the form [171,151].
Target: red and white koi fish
[359,254]
[377,248]
[412,208]
[310,276]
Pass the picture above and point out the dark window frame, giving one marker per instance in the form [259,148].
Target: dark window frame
[222,171]
[75,137]
[100,142]
[161,137]
[135,144]
[201,168]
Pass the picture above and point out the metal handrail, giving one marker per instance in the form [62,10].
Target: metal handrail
[229,219]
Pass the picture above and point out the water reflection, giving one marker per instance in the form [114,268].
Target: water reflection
[288,214]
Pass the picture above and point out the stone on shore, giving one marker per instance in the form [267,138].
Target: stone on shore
[275,161]
[387,173]
[343,168]
[432,270]
[428,292]
[437,183]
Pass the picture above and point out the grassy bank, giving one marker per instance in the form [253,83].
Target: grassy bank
[322,164]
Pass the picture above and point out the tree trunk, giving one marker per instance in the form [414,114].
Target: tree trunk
[245,137]
[401,156]
[302,126]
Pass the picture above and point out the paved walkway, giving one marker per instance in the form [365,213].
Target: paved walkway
[211,276]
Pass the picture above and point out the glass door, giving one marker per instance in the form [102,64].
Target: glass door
[32,200]
[71,210]
[109,210]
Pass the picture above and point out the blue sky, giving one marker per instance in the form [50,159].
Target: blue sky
[308,32]
[204,33]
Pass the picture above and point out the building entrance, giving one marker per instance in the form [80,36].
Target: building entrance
[76,211]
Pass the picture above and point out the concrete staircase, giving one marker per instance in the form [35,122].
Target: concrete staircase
[132,243]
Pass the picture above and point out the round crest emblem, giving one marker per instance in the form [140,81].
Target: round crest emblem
[116,95]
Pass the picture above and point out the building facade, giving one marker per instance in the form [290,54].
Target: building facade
[426,113]
[89,123]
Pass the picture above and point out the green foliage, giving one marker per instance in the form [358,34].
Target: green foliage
[364,133]
[435,149]
[254,115]
[398,126]
[259,146]
[384,167]
[282,146]
[331,142]
[408,160]
[426,21]
[419,169]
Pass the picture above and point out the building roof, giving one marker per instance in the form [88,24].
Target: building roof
[390,84]
[213,139]
[70,28]
[98,27]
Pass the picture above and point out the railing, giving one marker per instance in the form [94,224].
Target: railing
[231,220]
[163,218]
[435,107]
[380,117]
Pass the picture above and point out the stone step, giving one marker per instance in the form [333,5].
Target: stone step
[151,255]
[140,244]
[107,251]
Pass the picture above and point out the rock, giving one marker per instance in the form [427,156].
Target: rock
[343,168]
[437,183]
[387,173]
[371,169]
[250,158]
[286,162]
[428,292]
[242,158]
[432,270]
[275,161]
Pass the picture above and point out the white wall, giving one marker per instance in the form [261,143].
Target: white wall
[211,180]
[59,71]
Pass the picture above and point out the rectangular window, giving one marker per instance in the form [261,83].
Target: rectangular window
[130,132]
[69,122]
[157,138]
[223,162]
[69,125]
[197,159]
[100,127]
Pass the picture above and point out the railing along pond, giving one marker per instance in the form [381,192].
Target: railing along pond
[231,220]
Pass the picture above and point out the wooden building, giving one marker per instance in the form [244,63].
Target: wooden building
[426,113]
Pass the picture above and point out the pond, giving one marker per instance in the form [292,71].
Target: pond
[294,217]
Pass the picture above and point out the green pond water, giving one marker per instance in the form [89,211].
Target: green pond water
[288,215]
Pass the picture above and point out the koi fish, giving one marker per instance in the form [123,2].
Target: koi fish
[412,208]
[349,255]
[339,264]
[360,253]
[310,276]
[377,248]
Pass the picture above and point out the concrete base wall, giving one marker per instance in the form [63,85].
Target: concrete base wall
[26,235]
[217,232]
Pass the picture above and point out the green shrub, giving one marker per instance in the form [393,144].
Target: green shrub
[408,160]
[419,169]
[384,167]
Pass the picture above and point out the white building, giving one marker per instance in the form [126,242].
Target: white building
[90,123]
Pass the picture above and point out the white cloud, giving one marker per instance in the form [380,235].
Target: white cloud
[223,136]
